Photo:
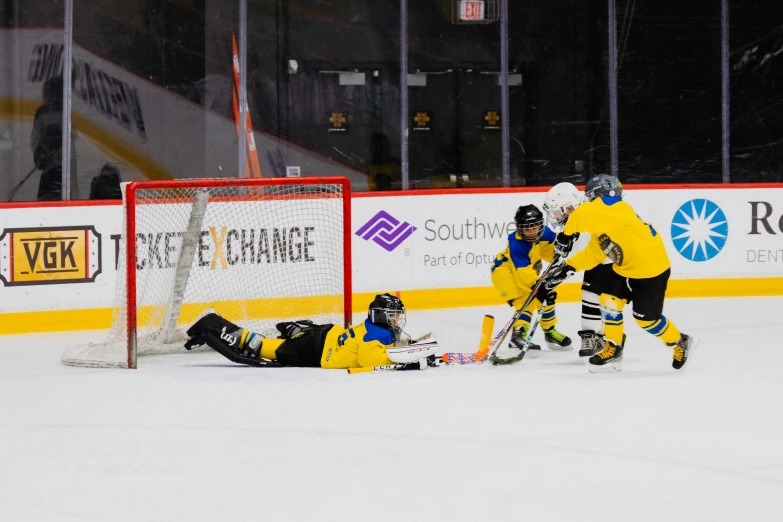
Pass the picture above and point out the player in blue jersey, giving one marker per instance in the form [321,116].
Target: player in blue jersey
[515,272]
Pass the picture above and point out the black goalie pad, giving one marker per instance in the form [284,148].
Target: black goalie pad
[220,347]
[210,323]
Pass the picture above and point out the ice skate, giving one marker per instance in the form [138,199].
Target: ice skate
[592,343]
[683,349]
[557,341]
[609,359]
[518,341]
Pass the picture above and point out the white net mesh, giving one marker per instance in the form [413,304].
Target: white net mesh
[256,254]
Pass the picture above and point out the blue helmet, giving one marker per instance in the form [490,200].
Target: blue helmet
[603,185]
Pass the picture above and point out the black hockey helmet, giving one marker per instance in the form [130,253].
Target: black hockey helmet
[603,185]
[387,311]
[529,217]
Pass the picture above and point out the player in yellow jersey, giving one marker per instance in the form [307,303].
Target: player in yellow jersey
[516,270]
[640,267]
[378,341]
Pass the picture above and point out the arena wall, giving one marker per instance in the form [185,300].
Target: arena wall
[436,252]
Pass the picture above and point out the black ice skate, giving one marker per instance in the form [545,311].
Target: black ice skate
[518,341]
[557,341]
[592,343]
[609,359]
[683,349]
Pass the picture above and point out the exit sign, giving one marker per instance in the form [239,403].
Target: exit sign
[471,10]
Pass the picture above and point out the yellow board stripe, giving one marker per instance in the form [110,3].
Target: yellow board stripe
[100,318]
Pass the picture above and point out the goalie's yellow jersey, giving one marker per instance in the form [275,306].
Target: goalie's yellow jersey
[360,346]
[616,231]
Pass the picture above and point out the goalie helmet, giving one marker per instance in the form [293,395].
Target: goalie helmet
[530,223]
[603,185]
[387,311]
[561,200]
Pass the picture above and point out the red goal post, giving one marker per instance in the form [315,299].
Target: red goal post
[257,251]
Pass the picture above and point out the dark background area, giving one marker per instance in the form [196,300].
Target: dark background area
[669,83]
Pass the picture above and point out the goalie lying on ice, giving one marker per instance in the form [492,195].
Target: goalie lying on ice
[378,341]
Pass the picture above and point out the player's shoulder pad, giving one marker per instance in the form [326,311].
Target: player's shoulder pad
[609,200]
[376,333]
[520,252]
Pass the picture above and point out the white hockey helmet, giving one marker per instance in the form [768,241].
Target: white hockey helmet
[561,200]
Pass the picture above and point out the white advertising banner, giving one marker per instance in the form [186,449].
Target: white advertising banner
[447,241]
[55,258]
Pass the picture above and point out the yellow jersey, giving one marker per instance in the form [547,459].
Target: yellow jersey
[616,231]
[360,346]
[523,258]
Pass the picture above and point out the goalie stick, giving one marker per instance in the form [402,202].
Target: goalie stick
[399,367]
[485,354]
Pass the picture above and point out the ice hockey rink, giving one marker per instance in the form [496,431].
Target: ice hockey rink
[193,437]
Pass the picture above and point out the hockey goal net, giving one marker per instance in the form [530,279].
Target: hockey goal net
[257,251]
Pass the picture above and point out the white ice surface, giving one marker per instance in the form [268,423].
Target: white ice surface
[192,437]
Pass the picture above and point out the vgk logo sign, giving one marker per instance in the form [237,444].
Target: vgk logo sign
[41,256]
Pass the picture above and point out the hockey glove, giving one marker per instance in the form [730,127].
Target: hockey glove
[557,276]
[564,243]
[547,296]
[431,361]
[290,329]
[434,361]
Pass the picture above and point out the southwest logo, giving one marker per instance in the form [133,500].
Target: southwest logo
[56,255]
[386,230]
[699,230]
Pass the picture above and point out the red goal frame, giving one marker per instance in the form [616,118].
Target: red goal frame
[130,228]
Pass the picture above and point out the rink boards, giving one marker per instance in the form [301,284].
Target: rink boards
[433,248]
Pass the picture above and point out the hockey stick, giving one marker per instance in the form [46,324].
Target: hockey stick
[386,368]
[479,357]
[497,361]
[469,358]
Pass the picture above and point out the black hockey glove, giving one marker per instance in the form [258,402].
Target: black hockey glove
[290,329]
[564,243]
[547,296]
[433,361]
[557,276]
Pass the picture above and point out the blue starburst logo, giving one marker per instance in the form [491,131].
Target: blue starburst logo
[699,230]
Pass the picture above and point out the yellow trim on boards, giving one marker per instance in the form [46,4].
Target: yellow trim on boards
[100,318]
